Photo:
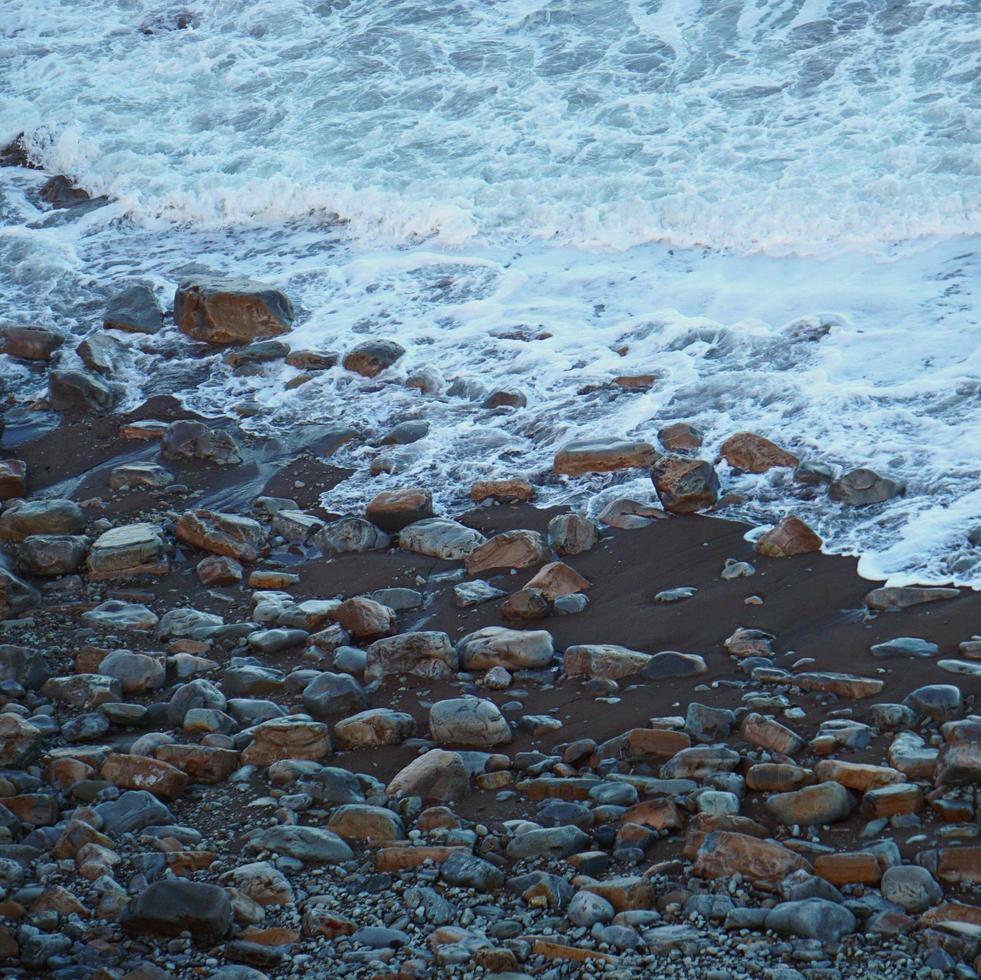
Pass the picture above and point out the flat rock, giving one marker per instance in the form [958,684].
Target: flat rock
[497,646]
[118,614]
[23,518]
[509,549]
[889,599]
[754,454]
[724,853]
[440,537]
[905,646]
[126,547]
[312,845]
[603,456]
[227,310]
[29,342]
[222,534]
[134,309]
[606,661]
[287,738]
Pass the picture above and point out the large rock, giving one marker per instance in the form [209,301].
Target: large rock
[141,772]
[287,738]
[372,357]
[18,739]
[554,842]
[439,537]
[558,579]
[427,654]
[725,853]
[30,342]
[824,803]
[188,439]
[790,537]
[754,454]
[811,918]
[910,887]
[684,485]
[362,822]
[53,554]
[366,619]
[863,486]
[15,594]
[939,702]
[509,549]
[75,390]
[496,646]
[121,615]
[329,695]
[222,534]
[135,309]
[468,721]
[136,672]
[85,691]
[374,728]
[392,510]
[221,310]
[892,598]
[603,456]
[132,811]
[570,534]
[24,518]
[438,775]
[172,905]
[671,663]
[350,535]
[126,547]
[606,661]
[312,845]
[13,477]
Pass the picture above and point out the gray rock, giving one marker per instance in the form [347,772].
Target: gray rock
[188,439]
[350,535]
[570,534]
[891,599]
[82,690]
[586,909]
[119,615]
[135,309]
[312,845]
[905,646]
[440,537]
[400,600]
[864,486]
[812,918]
[466,871]
[21,519]
[136,672]
[173,905]
[331,695]
[680,594]
[939,702]
[126,547]
[23,664]
[555,842]
[101,353]
[276,640]
[468,721]
[911,887]
[75,390]
[189,624]
[705,723]
[53,554]
[245,680]
[85,728]
[150,475]
[570,605]
[198,693]
[496,646]
[15,594]
[132,811]
[468,594]
[427,654]
[669,663]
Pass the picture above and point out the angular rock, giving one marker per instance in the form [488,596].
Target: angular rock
[602,456]
[287,738]
[723,854]
[53,554]
[680,437]
[350,535]
[606,661]
[509,549]
[126,547]
[437,775]
[770,734]
[790,537]
[13,479]
[329,695]
[220,310]
[684,485]
[75,390]
[558,579]
[393,510]
[139,772]
[374,728]
[222,534]
[82,690]
[24,518]
[496,646]
[426,654]
[754,454]
[18,739]
[135,309]
[864,486]
[188,439]
[312,845]
[15,594]
[172,905]
[439,537]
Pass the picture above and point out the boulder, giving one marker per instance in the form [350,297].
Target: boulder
[15,594]
[137,673]
[365,619]
[350,535]
[670,663]
[75,390]
[602,456]
[437,775]
[754,454]
[725,853]
[18,739]
[126,547]
[606,661]
[222,534]
[824,803]
[557,579]
[392,510]
[680,437]
[864,486]
[496,646]
[684,485]
[509,549]
[790,537]
[910,887]
[374,728]
[372,357]
[938,702]
[570,534]
[220,310]
[173,905]
[13,478]
[134,309]
[312,845]
[30,342]
[53,554]
[468,721]
[427,654]
[188,439]
[139,772]
[811,918]
[329,695]
[287,738]
[439,537]
[24,518]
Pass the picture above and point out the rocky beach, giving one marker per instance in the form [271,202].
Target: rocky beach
[243,736]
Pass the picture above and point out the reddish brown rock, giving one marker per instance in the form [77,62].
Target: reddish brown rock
[510,549]
[231,311]
[680,437]
[887,801]
[222,534]
[770,734]
[513,490]
[603,660]
[624,893]
[525,605]
[724,854]
[776,777]
[366,619]
[13,479]
[684,485]
[203,763]
[856,868]
[30,342]
[754,454]
[392,510]
[219,570]
[856,775]
[602,456]
[642,743]
[142,772]
[287,738]
[790,537]
[660,813]
[556,579]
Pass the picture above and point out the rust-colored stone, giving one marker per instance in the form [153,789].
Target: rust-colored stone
[790,537]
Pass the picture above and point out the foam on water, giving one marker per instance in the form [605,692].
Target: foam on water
[546,195]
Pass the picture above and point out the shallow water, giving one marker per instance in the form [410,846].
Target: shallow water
[545,195]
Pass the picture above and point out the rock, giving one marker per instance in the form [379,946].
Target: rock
[202,763]
[425,654]
[261,882]
[670,663]
[272,641]
[965,667]
[350,535]
[197,693]
[261,352]
[172,905]
[329,695]
[769,734]
[133,811]
[706,723]
[75,390]
[475,593]
[557,579]
[18,739]
[858,867]
[312,845]
[776,777]
[790,537]
[684,485]
[888,801]
[126,547]
[856,775]
[220,310]
[508,491]
[629,514]
[910,887]
[509,549]
[811,918]
[188,623]
[905,646]
[510,397]
[958,764]
[101,353]
[466,871]
[296,526]
[136,672]
[723,854]
[53,554]
[602,456]
[287,738]
[372,357]
[680,437]
[365,619]
[313,360]
[139,772]
[824,803]
[525,605]
[30,342]
[219,570]
[13,479]
[863,486]
[607,661]
[188,439]
[468,721]
[25,665]
[150,475]
[754,454]
[371,824]
[134,310]
[439,537]
[393,510]
[939,702]
[496,646]
[587,908]
[891,599]
[82,690]
[699,762]
[553,842]
[436,775]
[15,594]
[571,534]
[222,534]
[374,728]
[24,518]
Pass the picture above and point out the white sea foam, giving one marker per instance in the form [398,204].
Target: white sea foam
[660,186]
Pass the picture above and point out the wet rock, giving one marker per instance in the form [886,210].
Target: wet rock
[13,478]
[602,456]
[30,342]
[822,804]
[75,390]
[134,310]
[864,486]
[374,728]
[680,437]
[811,918]
[329,695]
[439,537]
[312,845]
[790,537]
[507,491]
[150,475]
[684,485]
[905,646]
[496,646]
[889,599]
[350,535]
[629,514]
[607,661]
[436,775]
[188,439]
[15,594]
[126,547]
[296,526]
[405,433]
[372,357]
[754,454]
[220,310]
[53,554]
[101,353]
[173,905]
[525,605]
[426,654]
[468,721]
[222,534]
[939,702]
[23,518]
[509,549]
[571,534]
[365,619]
[557,579]
[261,352]
[393,510]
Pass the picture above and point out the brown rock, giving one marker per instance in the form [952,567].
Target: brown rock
[504,490]
[661,814]
[222,534]
[319,921]
[957,865]
[790,537]
[684,485]
[374,728]
[856,868]
[13,478]
[724,854]
[959,764]
[287,738]
[607,661]
[770,734]
[602,456]
[219,570]
[361,822]
[556,579]
[30,342]
[623,893]
[510,549]
[754,454]
[638,744]
[680,437]
[776,777]
[703,824]
[393,510]
[856,775]
[142,772]
[844,685]
[231,311]
[525,605]
[372,357]
[18,739]
[366,619]
[403,857]
[887,801]
[203,763]
[437,775]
